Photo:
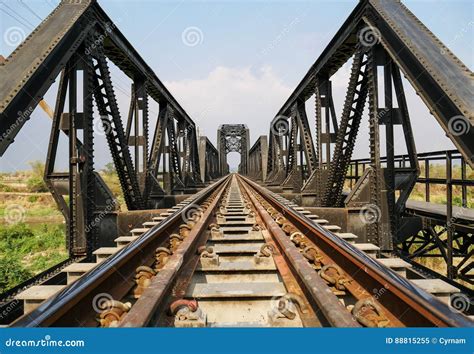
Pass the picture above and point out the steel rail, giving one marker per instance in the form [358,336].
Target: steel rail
[73,305]
[332,309]
[154,296]
[413,306]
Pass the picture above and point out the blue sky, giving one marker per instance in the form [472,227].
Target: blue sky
[250,56]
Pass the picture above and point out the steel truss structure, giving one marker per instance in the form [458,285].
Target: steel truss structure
[77,42]
[233,138]
[382,40]
[79,45]
[258,159]
[432,238]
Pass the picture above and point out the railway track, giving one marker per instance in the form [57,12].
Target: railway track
[237,255]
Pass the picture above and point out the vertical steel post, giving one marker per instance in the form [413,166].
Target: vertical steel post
[449,216]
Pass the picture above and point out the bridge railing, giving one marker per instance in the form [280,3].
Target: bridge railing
[446,231]
[437,168]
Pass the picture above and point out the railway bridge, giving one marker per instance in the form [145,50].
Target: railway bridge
[302,235]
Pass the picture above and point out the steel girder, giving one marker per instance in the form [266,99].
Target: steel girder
[348,130]
[412,47]
[432,242]
[278,138]
[208,160]
[258,159]
[298,172]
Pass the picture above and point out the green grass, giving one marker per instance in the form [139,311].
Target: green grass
[5,188]
[438,191]
[26,251]
[31,247]
[438,194]
[33,212]
[110,177]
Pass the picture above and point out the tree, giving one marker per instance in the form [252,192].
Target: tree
[35,183]
[109,169]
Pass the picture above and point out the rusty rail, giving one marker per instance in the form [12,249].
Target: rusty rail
[154,296]
[404,303]
[332,309]
[114,277]
[401,303]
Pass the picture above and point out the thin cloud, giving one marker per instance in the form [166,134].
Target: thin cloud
[232,95]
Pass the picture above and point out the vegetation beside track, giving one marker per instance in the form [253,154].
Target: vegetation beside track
[26,251]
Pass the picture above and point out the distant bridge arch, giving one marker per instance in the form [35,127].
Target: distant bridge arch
[233,138]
